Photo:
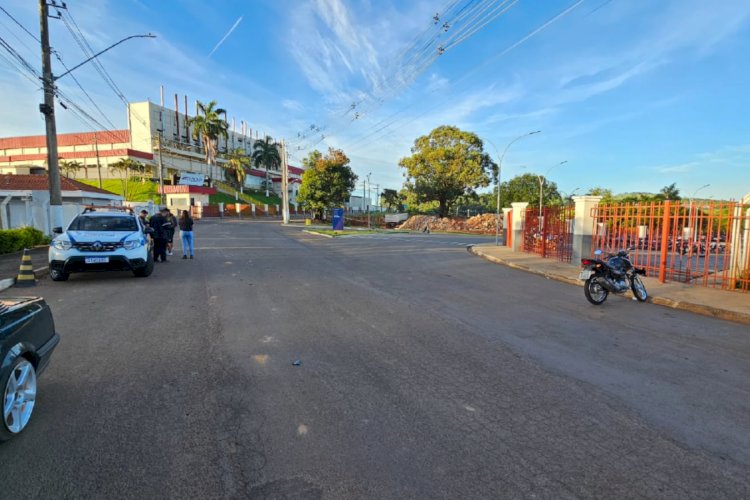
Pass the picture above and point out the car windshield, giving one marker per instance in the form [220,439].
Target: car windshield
[114,223]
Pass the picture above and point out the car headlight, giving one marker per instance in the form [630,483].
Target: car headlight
[132,244]
[62,244]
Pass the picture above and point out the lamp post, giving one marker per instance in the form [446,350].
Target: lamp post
[568,196]
[542,180]
[497,180]
[48,109]
[692,225]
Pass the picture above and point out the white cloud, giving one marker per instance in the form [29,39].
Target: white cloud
[291,105]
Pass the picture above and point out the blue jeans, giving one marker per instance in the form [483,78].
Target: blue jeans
[187,242]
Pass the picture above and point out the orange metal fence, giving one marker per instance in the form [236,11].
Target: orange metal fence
[687,241]
[550,236]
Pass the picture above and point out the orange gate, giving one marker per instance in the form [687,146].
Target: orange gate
[687,241]
[551,235]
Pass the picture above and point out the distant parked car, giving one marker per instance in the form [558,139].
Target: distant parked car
[27,339]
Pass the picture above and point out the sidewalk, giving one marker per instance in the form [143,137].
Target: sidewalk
[11,262]
[720,304]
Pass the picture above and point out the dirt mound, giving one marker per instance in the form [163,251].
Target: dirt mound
[480,224]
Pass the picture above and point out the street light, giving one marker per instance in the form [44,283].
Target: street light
[542,180]
[497,180]
[570,195]
[693,223]
[147,35]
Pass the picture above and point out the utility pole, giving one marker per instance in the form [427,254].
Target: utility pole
[369,186]
[98,164]
[284,183]
[161,171]
[48,110]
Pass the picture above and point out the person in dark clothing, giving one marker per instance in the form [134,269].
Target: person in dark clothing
[171,227]
[158,222]
[186,233]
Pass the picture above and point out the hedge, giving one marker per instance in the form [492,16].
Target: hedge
[15,240]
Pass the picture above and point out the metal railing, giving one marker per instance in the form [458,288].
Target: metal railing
[551,235]
[696,242]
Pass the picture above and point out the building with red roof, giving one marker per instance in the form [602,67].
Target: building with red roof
[24,200]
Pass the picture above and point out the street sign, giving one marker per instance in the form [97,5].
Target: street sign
[338,219]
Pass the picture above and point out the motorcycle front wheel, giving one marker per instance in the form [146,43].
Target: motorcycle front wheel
[638,288]
[595,293]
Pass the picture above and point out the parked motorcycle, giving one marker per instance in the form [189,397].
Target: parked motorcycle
[612,274]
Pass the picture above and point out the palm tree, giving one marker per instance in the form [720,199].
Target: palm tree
[68,167]
[238,160]
[266,153]
[670,192]
[124,167]
[208,126]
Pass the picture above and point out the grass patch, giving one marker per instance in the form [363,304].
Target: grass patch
[222,198]
[249,196]
[137,190]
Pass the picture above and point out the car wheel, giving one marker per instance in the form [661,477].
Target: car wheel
[145,271]
[19,395]
[58,275]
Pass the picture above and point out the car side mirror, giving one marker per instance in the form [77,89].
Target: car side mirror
[149,230]
[57,230]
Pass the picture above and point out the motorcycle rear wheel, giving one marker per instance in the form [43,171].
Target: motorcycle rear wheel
[639,289]
[595,293]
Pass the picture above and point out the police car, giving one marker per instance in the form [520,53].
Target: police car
[101,239]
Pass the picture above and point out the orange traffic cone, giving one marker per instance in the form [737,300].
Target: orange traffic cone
[26,272]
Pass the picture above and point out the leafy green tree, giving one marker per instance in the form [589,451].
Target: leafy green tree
[606,194]
[266,154]
[526,188]
[236,174]
[670,192]
[328,181]
[68,167]
[446,164]
[208,126]
[392,200]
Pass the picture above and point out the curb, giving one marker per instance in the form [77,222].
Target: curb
[701,309]
[316,233]
[9,282]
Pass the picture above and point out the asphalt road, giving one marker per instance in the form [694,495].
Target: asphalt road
[425,372]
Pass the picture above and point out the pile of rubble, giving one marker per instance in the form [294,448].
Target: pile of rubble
[480,224]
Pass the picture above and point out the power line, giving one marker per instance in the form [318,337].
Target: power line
[505,51]
[20,25]
[91,100]
[458,24]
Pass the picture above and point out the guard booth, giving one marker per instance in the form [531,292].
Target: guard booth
[183,197]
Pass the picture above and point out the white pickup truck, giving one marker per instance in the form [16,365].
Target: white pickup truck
[393,220]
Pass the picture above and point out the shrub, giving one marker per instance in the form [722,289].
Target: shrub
[14,240]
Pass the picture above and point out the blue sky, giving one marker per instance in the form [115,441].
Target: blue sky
[634,94]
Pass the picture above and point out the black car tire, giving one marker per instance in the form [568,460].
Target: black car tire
[5,433]
[58,275]
[145,271]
